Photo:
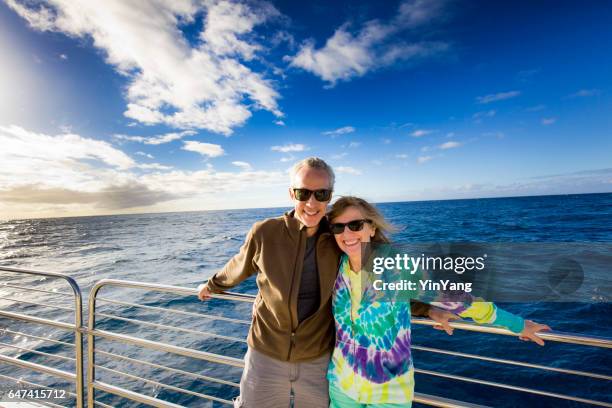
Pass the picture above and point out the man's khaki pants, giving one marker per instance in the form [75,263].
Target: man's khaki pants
[270,383]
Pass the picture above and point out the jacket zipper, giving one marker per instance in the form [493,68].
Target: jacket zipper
[292,340]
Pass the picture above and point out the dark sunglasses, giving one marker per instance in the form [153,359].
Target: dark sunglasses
[303,194]
[355,225]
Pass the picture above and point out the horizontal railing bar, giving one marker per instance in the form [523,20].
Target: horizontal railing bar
[174,370]
[576,339]
[38,367]
[182,312]
[514,388]
[36,337]
[514,362]
[167,327]
[134,396]
[56,275]
[38,320]
[549,335]
[49,404]
[33,384]
[36,290]
[101,404]
[169,348]
[177,290]
[545,335]
[442,402]
[70,309]
[167,386]
[418,397]
[42,353]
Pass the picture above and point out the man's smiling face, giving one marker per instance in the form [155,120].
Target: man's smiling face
[311,211]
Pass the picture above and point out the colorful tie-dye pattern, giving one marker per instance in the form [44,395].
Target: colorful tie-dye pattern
[372,362]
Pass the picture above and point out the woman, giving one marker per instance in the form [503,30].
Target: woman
[371,365]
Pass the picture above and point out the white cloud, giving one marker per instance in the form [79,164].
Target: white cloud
[297,147]
[171,81]
[63,56]
[421,132]
[17,142]
[338,156]
[243,165]
[205,149]
[51,175]
[423,159]
[527,74]
[353,145]
[340,131]
[59,162]
[497,97]
[478,116]
[548,121]
[158,139]
[209,181]
[154,166]
[386,141]
[449,145]
[286,159]
[401,156]
[375,44]
[279,122]
[536,108]
[147,155]
[585,93]
[347,170]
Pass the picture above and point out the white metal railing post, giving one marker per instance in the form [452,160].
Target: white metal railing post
[76,328]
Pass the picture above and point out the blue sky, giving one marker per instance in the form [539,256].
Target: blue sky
[169,106]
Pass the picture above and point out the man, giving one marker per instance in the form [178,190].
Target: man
[296,261]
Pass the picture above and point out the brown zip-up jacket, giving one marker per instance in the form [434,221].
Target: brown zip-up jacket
[274,249]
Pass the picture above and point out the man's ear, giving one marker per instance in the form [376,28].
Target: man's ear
[291,194]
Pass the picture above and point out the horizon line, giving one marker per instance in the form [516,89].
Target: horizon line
[273,207]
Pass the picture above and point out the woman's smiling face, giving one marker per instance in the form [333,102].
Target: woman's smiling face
[350,241]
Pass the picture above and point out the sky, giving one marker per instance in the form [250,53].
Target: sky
[128,107]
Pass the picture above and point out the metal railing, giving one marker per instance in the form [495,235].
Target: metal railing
[95,331]
[75,377]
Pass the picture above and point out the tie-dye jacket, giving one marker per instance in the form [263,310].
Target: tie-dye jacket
[371,362]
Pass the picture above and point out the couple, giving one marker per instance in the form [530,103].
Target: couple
[308,273]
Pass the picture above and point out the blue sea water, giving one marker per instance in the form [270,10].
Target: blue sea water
[183,249]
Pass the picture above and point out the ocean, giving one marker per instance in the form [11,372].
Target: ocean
[184,249]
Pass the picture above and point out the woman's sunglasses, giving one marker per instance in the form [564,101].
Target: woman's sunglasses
[303,194]
[355,225]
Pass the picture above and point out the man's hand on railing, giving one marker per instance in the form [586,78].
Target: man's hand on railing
[443,318]
[530,330]
[203,292]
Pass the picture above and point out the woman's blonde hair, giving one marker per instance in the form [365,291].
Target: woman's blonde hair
[369,212]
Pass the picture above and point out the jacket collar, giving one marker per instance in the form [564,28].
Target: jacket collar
[295,226]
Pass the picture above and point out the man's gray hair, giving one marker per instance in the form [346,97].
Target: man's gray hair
[314,163]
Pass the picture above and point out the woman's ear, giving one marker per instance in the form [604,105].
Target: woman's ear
[373,232]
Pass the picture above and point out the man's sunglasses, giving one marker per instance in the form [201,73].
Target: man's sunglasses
[355,225]
[303,194]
